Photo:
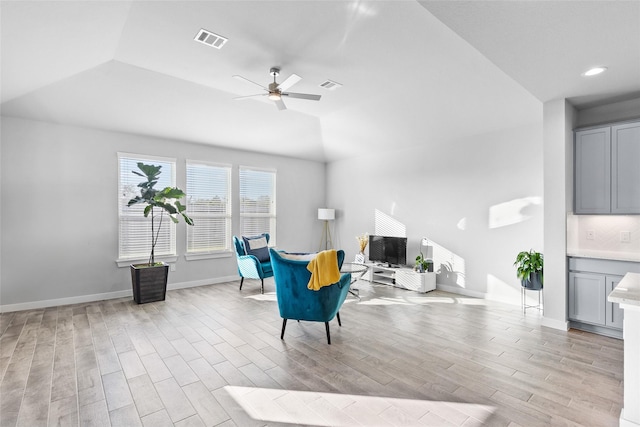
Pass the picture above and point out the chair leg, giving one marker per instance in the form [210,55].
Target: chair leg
[262,288]
[284,325]
[326,325]
[338,316]
[241,280]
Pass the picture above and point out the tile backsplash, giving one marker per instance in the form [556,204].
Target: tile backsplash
[603,233]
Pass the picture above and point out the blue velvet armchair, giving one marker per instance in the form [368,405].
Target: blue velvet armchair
[249,266]
[296,301]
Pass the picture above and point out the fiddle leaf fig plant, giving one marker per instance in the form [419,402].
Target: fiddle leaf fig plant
[167,201]
[528,263]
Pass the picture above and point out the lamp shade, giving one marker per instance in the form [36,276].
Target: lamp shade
[326,214]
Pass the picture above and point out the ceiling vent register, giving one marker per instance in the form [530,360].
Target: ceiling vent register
[210,39]
[330,85]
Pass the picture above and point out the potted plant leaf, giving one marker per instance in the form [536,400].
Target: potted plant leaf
[530,269]
[149,280]
[423,265]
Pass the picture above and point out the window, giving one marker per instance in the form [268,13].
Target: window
[209,205]
[258,202]
[134,229]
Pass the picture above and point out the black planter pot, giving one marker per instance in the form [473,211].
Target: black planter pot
[534,282]
[149,283]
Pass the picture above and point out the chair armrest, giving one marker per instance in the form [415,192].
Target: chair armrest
[345,280]
[250,267]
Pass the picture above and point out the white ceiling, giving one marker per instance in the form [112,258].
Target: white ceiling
[414,73]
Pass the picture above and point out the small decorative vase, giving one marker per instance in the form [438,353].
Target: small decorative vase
[360,258]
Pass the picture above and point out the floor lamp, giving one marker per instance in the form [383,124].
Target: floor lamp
[326,215]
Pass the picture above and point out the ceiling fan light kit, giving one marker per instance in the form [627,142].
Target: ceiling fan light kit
[275,91]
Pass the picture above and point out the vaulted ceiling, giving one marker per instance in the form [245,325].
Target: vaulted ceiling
[412,73]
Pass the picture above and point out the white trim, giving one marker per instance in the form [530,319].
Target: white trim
[461,291]
[203,162]
[256,168]
[146,157]
[80,299]
[202,282]
[64,301]
[211,255]
[555,324]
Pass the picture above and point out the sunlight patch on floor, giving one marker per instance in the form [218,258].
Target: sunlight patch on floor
[334,409]
[267,296]
[423,300]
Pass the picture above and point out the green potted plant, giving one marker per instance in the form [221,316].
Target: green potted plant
[529,269]
[149,280]
[423,265]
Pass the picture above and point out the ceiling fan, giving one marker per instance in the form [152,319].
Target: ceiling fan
[276,91]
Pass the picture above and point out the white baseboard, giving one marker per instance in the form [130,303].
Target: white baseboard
[461,291]
[555,324]
[80,299]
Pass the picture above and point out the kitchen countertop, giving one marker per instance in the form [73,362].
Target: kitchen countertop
[616,256]
[627,291]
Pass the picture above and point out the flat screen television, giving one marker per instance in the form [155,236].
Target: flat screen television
[388,250]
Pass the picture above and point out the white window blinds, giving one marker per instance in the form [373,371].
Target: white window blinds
[209,205]
[258,202]
[134,229]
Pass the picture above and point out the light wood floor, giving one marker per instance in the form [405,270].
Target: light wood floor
[213,356]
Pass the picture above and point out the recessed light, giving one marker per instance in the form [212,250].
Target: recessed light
[594,71]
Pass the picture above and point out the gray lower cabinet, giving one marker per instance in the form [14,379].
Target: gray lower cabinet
[615,314]
[590,283]
[587,299]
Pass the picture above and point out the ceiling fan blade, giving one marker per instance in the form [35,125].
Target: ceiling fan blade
[280,104]
[308,96]
[249,81]
[290,81]
[250,96]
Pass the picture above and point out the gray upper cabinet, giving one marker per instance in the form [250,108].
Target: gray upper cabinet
[625,169]
[593,171]
[607,170]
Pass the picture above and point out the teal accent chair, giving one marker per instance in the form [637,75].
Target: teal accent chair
[248,265]
[296,301]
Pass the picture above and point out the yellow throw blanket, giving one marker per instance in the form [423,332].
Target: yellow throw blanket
[324,270]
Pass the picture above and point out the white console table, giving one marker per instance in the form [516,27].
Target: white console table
[401,277]
[627,294]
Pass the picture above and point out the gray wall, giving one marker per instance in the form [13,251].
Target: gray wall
[479,199]
[59,211]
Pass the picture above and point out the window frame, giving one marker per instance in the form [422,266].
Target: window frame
[124,260]
[227,251]
[272,215]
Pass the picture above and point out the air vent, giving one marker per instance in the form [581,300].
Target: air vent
[330,85]
[210,39]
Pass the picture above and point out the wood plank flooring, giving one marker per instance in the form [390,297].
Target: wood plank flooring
[212,356]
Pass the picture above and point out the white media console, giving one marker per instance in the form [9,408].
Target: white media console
[401,277]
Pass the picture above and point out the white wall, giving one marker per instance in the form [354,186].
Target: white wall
[479,199]
[59,210]
[608,113]
[559,119]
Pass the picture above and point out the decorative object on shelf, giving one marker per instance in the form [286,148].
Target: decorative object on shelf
[326,215]
[423,265]
[363,241]
[529,269]
[149,281]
